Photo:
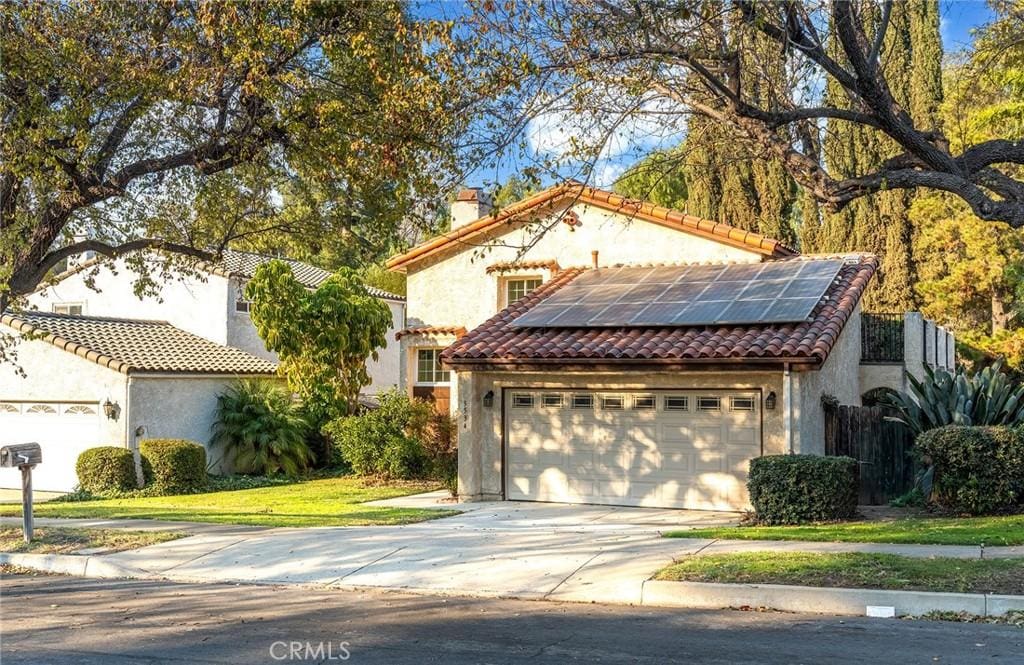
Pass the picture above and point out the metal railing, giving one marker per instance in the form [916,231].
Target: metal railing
[881,338]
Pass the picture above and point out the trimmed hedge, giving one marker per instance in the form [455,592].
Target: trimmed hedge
[107,469]
[977,470]
[793,489]
[179,466]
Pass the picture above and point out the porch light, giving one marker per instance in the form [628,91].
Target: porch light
[111,409]
[769,401]
[489,399]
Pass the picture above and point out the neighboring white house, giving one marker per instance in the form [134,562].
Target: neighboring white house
[94,381]
[208,302]
[608,391]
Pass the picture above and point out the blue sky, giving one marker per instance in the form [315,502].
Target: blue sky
[958,18]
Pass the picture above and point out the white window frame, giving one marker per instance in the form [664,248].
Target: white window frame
[505,298]
[67,305]
[416,367]
[242,306]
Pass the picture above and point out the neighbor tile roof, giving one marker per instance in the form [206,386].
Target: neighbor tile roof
[244,264]
[573,192]
[497,343]
[128,345]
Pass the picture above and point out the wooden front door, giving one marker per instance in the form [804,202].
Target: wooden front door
[439,395]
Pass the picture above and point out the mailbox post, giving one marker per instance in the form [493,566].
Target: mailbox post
[25,456]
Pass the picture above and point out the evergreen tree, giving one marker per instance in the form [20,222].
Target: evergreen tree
[911,59]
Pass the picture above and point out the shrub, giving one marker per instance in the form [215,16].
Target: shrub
[108,469]
[386,441]
[987,397]
[441,448]
[792,489]
[977,470]
[261,430]
[179,466]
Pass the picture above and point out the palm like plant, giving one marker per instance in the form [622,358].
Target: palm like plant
[261,430]
[987,397]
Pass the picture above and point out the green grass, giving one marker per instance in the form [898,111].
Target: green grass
[854,570]
[51,540]
[1002,530]
[325,502]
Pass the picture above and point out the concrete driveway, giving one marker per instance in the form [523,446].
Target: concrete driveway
[508,549]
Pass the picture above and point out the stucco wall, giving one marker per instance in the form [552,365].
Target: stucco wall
[455,289]
[56,375]
[190,303]
[386,371]
[480,428]
[838,377]
[176,407]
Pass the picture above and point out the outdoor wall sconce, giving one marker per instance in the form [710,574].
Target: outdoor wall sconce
[769,401]
[111,409]
[489,399]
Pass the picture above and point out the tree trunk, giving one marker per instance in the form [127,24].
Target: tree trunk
[1000,312]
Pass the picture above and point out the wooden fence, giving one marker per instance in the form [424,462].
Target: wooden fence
[882,447]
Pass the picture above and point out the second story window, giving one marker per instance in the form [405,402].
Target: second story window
[428,367]
[72,308]
[518,287]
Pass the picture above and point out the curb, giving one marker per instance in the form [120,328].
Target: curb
[73,564]
[821,600]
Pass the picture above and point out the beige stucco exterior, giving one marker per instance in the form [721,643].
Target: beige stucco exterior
[202,304]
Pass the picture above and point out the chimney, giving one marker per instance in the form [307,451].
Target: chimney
[470,205]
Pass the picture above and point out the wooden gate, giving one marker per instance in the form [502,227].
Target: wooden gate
[881,446]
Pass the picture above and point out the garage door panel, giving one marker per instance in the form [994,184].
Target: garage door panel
[62,429]
[681,456]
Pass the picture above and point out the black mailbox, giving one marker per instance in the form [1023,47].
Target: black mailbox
[20,454]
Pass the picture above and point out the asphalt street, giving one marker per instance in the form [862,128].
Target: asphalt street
[51,619]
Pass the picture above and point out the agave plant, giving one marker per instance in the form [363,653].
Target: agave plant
[261,430]
[987,397]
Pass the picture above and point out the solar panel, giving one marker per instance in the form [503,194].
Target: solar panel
[772,292]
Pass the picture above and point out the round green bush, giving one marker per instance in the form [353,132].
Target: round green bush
[179,466]
[977,470]
[106,469]
[795,489]
[386,441]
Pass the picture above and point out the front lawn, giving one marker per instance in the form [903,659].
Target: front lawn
[324,502]
[51,540]
[854,570]
[1003,530]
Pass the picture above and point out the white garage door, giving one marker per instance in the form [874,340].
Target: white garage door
[62,429]
[673,449]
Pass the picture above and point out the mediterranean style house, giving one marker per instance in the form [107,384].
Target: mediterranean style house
[103,366]
[208,302]
[596,349]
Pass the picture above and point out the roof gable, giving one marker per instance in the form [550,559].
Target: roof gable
[129,345]
[573,192]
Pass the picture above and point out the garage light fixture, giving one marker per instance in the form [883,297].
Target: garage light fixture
[769,401]
[111,409]
[489,399]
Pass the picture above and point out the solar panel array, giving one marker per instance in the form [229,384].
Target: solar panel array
[771,292]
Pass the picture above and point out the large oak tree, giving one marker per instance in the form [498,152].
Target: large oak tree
[597,65]
[184,125]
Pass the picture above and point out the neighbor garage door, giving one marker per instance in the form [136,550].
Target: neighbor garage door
[63,430]
[674,449]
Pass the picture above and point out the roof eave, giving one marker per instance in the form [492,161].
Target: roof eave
[629,364]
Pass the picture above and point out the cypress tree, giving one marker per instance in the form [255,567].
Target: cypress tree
[911,60]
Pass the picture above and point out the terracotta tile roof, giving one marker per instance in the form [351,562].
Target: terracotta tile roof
[128,346]
[457,331]
[497,343]
[570,192]
[508,266]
